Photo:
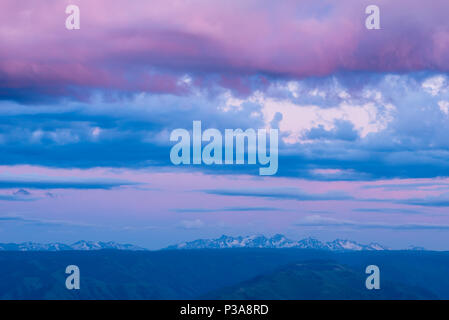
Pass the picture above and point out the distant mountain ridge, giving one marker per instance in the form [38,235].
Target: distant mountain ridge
[277,241]
[312,280]
[224,242]
[79,245]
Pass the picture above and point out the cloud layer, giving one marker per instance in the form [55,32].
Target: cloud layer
[151,46]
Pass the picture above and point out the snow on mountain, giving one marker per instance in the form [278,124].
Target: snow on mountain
[310,243]
[80,245]
[277,241]
[32,246]
[339,244]
[258,241]
[376,246]
[98,245]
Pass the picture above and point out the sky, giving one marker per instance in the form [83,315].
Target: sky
[86,117]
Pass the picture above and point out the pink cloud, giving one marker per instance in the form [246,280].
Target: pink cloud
[120,42]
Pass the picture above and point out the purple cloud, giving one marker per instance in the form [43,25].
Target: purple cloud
[149,46]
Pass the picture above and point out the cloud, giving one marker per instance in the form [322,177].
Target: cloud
[336,174]
[42,222]
[409,185]
[165,42]
[319,221]
[346,121]
[342,130]
[11,219]
[441,200]
[19,195]
[48,182]
[22,192]
[434,85]
[51,195]
[387,210]
[387,144]
[280,193]
[344,98]
[228,209]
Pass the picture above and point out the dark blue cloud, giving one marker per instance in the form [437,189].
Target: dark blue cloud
[408,186]
[343,130]
[18,195]
[42,182]
[441,200]
[280,193]
[318,221]
[388,210]
[14,197]
[22,192]
[22,221]
[134,130]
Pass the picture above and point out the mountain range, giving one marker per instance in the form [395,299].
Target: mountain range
[79,245]
[277,241]
[223,242]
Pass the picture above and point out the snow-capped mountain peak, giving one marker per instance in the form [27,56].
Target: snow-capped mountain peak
[376,246]
[79,245]
[340,244]
[277,241]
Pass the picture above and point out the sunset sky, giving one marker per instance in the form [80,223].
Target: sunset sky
[86,115]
